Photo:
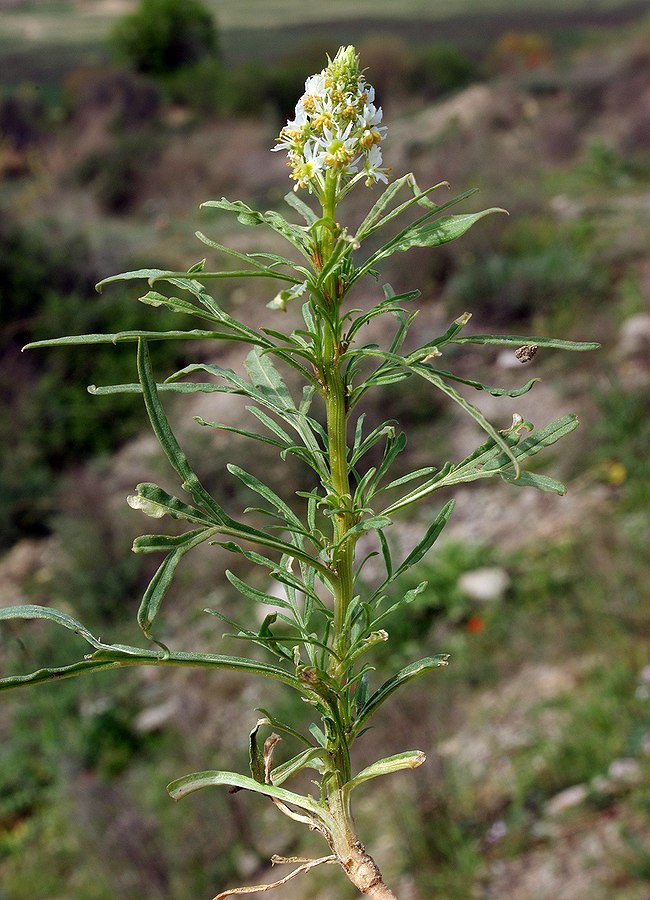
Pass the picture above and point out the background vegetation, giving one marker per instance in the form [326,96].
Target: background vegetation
[538,734]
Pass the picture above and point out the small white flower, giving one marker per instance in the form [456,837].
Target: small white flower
[372,166]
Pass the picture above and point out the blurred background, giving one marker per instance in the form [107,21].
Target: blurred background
[117,118]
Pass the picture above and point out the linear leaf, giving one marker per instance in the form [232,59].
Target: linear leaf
[371,224]
[159,584]
[294,201]
[425,544]
[401,678]
[168,441]
[541,482]
[254,484]
[281,726]
[410,759]
[514,340]
[267,381]
[429,375]
[155,502]
[182,387]
[254,594]
[313,758]
[128,337]
[479,386]
[252,435]
[199,780]
[115,656]
[247,216]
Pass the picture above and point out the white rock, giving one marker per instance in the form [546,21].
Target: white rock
[485,584]
[156,717]
[634,335]
[625,771]
[566,799]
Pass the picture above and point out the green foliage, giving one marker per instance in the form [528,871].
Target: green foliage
[595,727]
[622,433]
[48,417]
[541,269]
[442,69]
[162,36]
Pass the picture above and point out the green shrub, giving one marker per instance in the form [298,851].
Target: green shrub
[162,36]
[442,69]
[540,271]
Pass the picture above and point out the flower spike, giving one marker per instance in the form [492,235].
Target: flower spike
[336,129]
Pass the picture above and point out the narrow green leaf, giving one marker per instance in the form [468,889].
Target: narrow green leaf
[424,545]
[428,374]
[313,758]
[254,484]
[182,387]
[411,476]
[168,441]
[370,223]
[423,233]
[252,435]
[175,304]
[255,755]
[514,340]
[129,276]
[479,386]
[254,594]
[32,611]
[318,734]
[293,233]
[159,584]
[401,678]
[294,201]
[373,523]
[199,780]
[115,656]
[408,597]
[385,550]
[160,543]
[441,231]
[281,726]
[267,381]
[410,759]
[541,482]
[127,337]
[537,441]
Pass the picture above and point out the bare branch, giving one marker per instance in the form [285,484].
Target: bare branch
[259,888]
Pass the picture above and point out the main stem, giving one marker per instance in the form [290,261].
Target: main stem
[360,868]
[337,416]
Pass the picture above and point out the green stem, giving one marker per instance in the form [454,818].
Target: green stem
[337,414]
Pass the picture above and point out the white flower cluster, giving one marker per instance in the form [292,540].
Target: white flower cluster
[336,127]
